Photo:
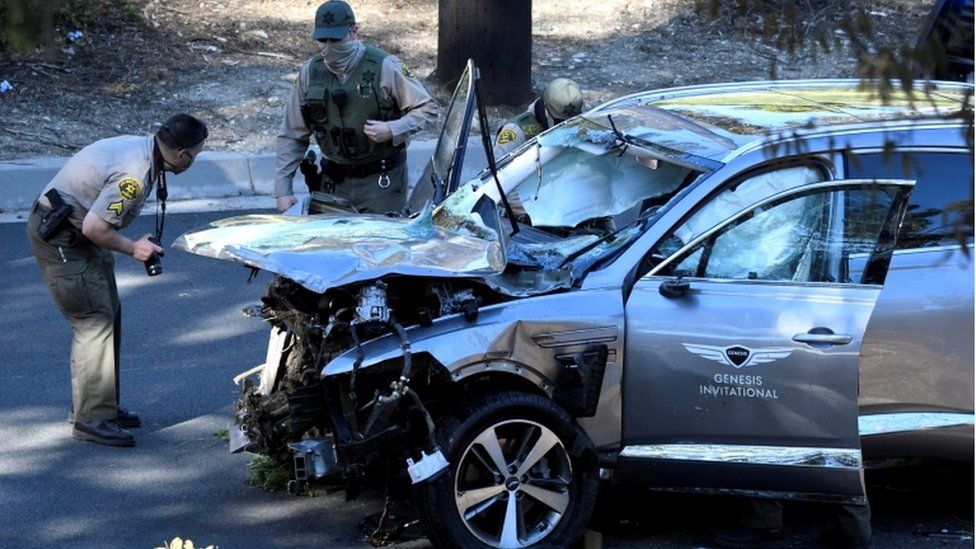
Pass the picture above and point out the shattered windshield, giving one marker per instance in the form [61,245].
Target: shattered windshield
[579,193]
[581,172]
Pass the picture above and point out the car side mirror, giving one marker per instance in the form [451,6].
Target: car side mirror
[675,288]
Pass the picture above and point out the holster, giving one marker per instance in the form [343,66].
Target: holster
[54,221]
[311,172]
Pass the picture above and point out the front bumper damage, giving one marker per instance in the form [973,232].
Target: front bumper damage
[338,426]
[359,393]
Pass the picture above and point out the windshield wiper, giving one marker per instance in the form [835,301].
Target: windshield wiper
[490,155]
[642,218]
[621,138]
[440,187]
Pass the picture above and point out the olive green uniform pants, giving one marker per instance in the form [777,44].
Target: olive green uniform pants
[366,195]
[81,278]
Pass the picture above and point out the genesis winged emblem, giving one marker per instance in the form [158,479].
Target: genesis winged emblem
[738,356]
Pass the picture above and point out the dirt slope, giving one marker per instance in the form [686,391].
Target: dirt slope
[232,62]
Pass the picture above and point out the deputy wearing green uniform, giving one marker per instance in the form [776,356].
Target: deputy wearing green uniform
[562,99]
[104,186]
[360,104]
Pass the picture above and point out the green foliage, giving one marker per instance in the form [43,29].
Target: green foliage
[223,434]
[28,24]
[90,14]
[23,23]
[267,474]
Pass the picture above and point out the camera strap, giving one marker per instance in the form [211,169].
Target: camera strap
[161,191]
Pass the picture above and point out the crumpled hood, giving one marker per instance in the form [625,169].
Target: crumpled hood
[330,250]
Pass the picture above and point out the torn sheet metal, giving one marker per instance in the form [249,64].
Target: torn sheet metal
[505,333]
[326,251]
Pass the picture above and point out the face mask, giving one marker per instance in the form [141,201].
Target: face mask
[176,169]
[340,56]
[173,168]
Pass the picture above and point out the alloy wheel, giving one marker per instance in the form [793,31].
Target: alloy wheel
[512,484]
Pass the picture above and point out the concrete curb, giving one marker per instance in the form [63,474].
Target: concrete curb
[215,174]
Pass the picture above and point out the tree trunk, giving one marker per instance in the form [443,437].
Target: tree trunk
[497,34]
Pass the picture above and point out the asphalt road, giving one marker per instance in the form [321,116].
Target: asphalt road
[184,339]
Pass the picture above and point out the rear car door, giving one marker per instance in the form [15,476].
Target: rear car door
[916,366]
[742,339]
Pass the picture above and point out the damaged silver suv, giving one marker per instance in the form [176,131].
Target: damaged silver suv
[755,288]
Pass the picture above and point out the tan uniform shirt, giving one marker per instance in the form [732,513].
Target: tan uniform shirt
[399,85]
[512,135]
[509,138]
[111,178]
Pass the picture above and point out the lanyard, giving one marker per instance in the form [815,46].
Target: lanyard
[161,192]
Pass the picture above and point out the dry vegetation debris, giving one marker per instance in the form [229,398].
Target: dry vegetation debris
[233,61]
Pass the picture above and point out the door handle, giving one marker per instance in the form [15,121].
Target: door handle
[819,337]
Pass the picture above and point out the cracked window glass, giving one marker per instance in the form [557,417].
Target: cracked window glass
[581,172]
[819,236]
[736,199]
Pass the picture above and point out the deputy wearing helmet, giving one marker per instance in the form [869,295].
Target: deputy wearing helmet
[360,104]
[562,99]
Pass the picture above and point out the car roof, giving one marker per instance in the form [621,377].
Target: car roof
[711,121]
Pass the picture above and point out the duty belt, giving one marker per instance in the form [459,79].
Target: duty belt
[340,172]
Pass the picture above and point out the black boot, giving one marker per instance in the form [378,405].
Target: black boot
[127,419]
[103,432]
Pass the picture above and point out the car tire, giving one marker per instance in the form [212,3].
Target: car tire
[543,499]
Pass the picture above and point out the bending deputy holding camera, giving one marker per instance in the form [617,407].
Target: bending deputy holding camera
[73,229]
[360,104]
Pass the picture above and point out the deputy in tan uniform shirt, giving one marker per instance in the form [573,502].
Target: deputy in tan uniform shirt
[360,104]
[105,184]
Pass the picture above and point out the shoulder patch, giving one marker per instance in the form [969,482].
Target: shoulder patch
[507,135]
[406,70]
[129,188]
[116,207]
[532,130]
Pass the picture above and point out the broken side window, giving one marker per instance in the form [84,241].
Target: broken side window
[734,200]
[812,237]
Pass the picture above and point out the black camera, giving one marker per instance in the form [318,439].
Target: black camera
[153,265]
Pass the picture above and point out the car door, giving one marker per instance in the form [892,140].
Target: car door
[916,366]
[742,338]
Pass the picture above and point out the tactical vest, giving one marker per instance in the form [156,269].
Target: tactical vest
[337,112]
[531,123]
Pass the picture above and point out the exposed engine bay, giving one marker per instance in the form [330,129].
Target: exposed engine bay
[363,413]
